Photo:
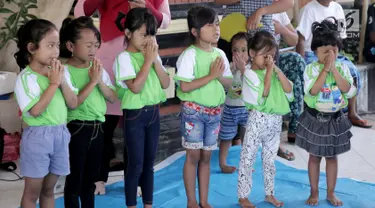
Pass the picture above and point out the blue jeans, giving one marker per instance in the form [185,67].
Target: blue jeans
[141,131]
[311,57]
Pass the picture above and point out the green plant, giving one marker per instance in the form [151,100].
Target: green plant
[15,19]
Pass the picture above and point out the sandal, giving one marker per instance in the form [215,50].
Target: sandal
[361,123]
[286,155]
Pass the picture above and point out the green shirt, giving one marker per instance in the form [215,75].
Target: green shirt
[127,66]
[29,88]
[330,98]
[195,63]
[94,107]
[277,101]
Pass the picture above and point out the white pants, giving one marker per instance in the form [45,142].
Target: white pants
[262,129]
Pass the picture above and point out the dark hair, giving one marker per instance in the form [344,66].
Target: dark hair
[70,31]
[326,33]
[263,40]
[236,37]
[32,32]
[135,19]
[198,17]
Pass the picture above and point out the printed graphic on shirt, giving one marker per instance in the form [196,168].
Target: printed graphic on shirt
[330,98]
[235,91]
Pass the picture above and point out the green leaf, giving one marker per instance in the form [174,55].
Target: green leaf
[31,16]
[5,10]
[32,6]
[12,18]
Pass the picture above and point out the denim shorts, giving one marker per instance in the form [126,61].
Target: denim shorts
[45,149]
[200,126]
[310,57]
[233,117]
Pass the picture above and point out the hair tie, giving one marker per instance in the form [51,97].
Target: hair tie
[119,18]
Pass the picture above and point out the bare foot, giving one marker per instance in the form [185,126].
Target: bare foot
[313,199]
[272,199]
[245,203]
[100,188]
[193,205]
[206,205]
[227,169]
[333,200]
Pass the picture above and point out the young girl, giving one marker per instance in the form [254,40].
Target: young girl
[267,93]
[80,40]
[323,129]
[44,92]
[234,118]
[139,71]
[202,70]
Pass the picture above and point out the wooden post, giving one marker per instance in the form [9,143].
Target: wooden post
[363,30]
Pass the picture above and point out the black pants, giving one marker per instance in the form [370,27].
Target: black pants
[109,126]
[141,130]
[85,155]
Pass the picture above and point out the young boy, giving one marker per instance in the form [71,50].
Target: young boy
[317,11]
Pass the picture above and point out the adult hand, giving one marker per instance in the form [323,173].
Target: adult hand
[137,4]
[253,22]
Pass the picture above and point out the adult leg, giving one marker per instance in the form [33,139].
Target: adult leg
[31,192]
[150,148]
[314,171]
[92,166]
[109,127]
[47,196]
[247,158]
[293,66]
[78,150]
[331,169]
[353,116]
[134,132]
[270,145]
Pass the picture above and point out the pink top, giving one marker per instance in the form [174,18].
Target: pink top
[110,49]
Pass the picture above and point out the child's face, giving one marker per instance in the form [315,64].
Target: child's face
[239,48]
[138,38]
[49,48]
[259,58]
[86,46]
[323,51]
[210,33]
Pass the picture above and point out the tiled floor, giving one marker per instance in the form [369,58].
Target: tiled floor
[358,164]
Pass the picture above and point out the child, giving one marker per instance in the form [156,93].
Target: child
[139,71]
[323,129]
[43,91]
[267,93]
[80,40]
[234,118]
[202,70]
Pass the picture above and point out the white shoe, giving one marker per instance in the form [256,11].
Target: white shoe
[100,188]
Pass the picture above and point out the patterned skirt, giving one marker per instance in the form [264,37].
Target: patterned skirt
[323,134]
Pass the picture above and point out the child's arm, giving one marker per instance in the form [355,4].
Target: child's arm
[226,78]
[44,100]
[267,80]
[68,90]
[162,74]
[106,87]
[55,76]
[328,65]
[216,71]
[137,84]
[285,83]
[341,82]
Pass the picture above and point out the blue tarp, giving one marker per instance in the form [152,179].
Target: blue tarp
[292,187]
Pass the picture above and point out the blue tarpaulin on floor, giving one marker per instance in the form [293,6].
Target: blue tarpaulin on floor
[292,187]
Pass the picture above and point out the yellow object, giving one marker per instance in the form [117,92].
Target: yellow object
[233,24]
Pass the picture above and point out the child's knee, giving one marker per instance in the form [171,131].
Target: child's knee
[315,159]
[48,192]
[193,156]
[205,157]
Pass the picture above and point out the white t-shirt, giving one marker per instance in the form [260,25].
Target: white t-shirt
[282,18]
[315,12]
